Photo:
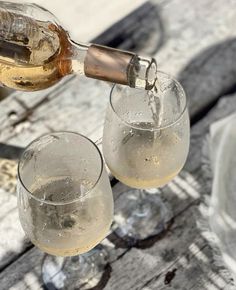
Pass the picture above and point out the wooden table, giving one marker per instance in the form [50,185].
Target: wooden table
[194,41]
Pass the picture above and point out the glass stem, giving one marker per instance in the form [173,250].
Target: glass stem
[83,271]
[142,207]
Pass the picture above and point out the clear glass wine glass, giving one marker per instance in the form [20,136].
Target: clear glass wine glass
[145,145]
[66,207]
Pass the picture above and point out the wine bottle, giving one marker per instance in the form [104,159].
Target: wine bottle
[36,52]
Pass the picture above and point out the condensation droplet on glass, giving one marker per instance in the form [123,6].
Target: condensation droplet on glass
[44,226]
[155,160]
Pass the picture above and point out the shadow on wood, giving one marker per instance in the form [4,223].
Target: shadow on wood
[209,76]
[141,31]
[10,151]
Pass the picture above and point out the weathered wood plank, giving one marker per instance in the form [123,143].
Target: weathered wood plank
[192,271]
[13,239]
[199,47]
[62,109]
[184,247]
[156,256]
[24,113]
[181,45]
[184,52]
[203,270]
[32,279]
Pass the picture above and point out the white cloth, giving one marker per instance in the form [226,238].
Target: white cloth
[223,202]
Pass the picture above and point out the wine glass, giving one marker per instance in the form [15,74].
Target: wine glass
[65,206]
[145,145]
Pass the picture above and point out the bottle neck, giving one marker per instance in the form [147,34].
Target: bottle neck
[142,73]
[113,65]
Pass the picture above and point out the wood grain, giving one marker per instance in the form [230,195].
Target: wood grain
[195,47]
[184,247]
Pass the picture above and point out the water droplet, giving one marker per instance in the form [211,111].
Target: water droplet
[156,160]
[44,226]
[60,235]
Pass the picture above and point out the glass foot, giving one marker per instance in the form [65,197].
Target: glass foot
[78,272]
[140,214]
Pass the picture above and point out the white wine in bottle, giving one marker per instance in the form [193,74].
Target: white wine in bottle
[36,52]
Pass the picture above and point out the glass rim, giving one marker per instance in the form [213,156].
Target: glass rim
[156,128]
[58,202]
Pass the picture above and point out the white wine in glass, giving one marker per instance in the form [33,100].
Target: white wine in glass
[145,145]
[65,205]
[70,230]
[147,159]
